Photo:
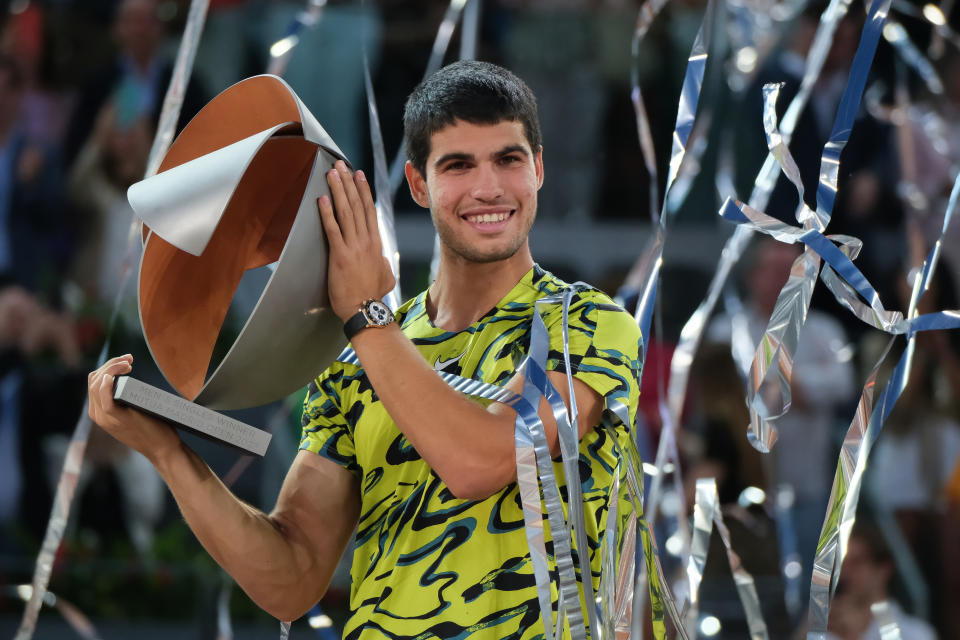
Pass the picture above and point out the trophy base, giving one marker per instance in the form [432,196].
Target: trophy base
[189,416]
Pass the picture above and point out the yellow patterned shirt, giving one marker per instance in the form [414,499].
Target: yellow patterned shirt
[427,564]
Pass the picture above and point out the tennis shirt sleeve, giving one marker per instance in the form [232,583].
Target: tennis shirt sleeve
[325,429]
[604,345]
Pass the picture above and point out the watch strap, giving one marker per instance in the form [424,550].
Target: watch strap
[354,324]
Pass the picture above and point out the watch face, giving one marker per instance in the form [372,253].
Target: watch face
[378,313]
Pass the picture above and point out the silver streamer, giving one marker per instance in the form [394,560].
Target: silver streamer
[73,461]
[768,393]
[224,625]
[173,101]
[692,332]
[842,507]
[608,572]
[77,621]
[706,516]
[385,221]
[568,435]
[896,35]
[645,18]
[863,432]
[647,272]
[440,45]
[282,50]
[942,31]
[883,614]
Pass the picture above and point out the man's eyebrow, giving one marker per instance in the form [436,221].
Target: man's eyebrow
[513,148]
[447,157]
[463,156]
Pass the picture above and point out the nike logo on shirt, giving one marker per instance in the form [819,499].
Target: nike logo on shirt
[440,365]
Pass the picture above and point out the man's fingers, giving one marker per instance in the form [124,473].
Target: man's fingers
[353,198]
[344,215]
[330,226]
[369,206]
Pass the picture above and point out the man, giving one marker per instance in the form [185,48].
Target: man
[864,581]
[31,206]
[135,81]
[426,475]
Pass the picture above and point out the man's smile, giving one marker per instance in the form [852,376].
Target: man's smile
[488,219]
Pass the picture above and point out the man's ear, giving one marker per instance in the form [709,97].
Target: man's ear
[538,166]
[417,184]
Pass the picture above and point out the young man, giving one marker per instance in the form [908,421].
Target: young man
[426,475]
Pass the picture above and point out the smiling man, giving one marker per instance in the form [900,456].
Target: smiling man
[425,476]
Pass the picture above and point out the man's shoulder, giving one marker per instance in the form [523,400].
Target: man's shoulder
[585,307]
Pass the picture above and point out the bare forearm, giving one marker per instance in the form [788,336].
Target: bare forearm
[461,440]
[266,558]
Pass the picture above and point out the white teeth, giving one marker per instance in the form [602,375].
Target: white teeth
[489,217]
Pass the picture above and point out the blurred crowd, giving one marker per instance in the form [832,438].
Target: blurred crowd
[82,85]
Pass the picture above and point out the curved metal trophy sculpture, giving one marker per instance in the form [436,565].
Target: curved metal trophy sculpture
[236,191]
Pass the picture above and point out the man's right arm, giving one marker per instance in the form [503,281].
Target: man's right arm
[283,560]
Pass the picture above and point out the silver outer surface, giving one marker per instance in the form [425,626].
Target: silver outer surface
[261,367]
[292,334]
[203,421]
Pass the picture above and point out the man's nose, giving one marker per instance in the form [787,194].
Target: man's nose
[487,185]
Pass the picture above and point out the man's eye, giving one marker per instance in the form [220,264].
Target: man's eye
[509,160]
[456,166]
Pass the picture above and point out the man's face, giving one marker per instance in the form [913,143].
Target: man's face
[861,578]
[137,28]
[769,273]
[481,187]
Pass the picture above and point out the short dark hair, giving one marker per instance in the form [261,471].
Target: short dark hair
[872,538]
[469,90]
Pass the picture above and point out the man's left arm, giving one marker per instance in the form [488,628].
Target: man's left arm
[469,446]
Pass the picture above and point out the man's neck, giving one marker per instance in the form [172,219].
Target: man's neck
[464,291]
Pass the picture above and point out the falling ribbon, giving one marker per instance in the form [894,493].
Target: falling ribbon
[73,461]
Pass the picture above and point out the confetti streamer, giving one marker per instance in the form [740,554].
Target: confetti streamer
[768,393]
[73,462]
[706,516]
[645,18]
[75,618]
[440,45]
[282,50]
[883,614]
[896,35]
[862,434]
[385,221]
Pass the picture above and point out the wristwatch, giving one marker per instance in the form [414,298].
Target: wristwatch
[372,313]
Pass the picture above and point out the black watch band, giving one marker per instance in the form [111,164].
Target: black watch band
[354,324]
[372,313]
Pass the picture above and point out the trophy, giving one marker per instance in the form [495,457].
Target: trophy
[236,191]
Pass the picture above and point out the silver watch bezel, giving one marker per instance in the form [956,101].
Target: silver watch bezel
[373,321]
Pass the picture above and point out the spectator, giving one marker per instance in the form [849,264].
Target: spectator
[112,159]
[136,80]
[864,581]
[32,239]
[804,456]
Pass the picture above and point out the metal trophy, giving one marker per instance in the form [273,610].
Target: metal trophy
[236,191]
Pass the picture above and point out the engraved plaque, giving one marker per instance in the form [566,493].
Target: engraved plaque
[187,415]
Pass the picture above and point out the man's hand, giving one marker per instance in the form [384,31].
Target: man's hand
[151,437]
[357,269]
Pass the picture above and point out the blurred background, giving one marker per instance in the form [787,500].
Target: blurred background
[81,86]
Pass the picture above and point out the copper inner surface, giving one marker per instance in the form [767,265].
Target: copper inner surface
[238,112]
[184,298]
